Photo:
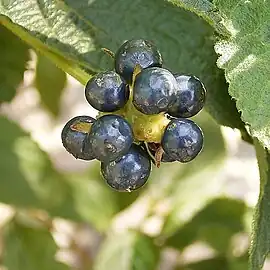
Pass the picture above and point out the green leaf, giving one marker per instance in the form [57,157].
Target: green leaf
[222,217]
[205,9]
[94,200]
[29,248]
[260,242]
[68,65]
[22,166]
[127,251]
[50,82]
[245,58]
[14,56]
[239,263]
[77,31]
[29,180]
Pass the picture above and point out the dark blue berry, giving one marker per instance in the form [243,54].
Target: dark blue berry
[167,158]
[107,92]
[136,52]
[182,140]
[74,134]
[110,137]
[190,97]
[154,90]
[128,173]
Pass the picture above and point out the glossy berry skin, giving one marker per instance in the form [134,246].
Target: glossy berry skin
[110,137]
[128,173]
[190,97]
[136,52]
[154,90]
[182,140]
[74,134]
[167,158]
[107,92]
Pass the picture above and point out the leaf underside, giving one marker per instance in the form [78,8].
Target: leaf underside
[245,58]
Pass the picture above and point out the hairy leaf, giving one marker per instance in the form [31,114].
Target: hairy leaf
[245,58]
[205,9]
[77,30]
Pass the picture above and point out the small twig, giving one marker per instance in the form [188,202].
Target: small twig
[136,71]
[158,156]
[145,147]
[153,146]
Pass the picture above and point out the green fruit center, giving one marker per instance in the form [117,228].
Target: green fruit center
[147,128]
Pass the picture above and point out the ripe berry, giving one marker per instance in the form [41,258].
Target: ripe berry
[182,140]
[136,52]
[129,172]
[154,90]
[167,158]
[110,137]
[190,97]
[73,137]
[106,92]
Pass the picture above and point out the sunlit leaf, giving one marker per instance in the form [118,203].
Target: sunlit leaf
[72,33]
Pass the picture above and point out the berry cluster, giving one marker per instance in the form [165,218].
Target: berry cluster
[143,110]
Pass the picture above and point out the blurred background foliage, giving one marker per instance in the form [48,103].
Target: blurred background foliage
[58,213]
